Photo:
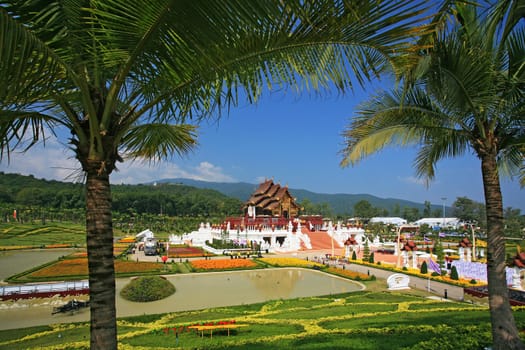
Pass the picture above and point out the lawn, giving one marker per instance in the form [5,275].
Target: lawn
[372,319]
[361,320]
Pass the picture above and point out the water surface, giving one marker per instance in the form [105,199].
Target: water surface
[193,292]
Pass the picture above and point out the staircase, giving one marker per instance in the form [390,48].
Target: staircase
[320,240]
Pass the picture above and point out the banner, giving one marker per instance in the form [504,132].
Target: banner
[434,266]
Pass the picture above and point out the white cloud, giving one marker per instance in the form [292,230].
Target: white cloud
[141,172]
[56,162]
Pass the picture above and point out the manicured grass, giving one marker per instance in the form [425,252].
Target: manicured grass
[26,235]
[362,320]
[14,235]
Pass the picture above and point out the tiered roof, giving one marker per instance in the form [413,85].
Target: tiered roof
[272,199]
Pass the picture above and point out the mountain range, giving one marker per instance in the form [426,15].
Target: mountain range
[340,203]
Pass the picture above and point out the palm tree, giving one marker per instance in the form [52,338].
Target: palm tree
[126,77]
[469,97]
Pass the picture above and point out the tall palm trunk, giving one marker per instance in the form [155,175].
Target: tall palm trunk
[100,260]
[505,334]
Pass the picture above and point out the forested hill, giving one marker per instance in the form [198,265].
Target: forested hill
[178,197]
[19,192]
[339,203]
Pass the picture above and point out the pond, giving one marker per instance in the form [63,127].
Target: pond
[17,261]
[193,292]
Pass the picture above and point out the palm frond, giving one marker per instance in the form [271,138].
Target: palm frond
[159,141]
[29,68]
[23,129]
[330,45]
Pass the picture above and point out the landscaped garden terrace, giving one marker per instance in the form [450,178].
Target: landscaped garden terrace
[359,320]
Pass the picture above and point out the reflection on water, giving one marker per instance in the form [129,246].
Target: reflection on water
[276,284]
[17,261]
[197,291]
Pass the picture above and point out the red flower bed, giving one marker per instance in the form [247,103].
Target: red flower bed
[185,252]
[223,264]
[79,267]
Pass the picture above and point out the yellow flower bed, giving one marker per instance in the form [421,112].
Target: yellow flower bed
[287,262]
[16,247]
[349,274]
[127,239]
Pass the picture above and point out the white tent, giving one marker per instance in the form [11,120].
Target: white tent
[145,234]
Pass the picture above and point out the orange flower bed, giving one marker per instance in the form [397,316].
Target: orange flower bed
[66,267]
[223,264]
[79,267]
[79,255]
[349,274]
[65,245]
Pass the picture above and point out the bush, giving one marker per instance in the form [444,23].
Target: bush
[454,274]
[371,258]
[424,268]
[473,281]
[147,288]
[354,256]
[434,274]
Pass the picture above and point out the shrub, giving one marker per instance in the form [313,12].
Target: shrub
[424,268]
[434,274]
[371,258]
[147,288]
[454,274]
[473,281]
[354,256]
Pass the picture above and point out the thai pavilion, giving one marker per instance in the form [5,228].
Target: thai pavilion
[272,219]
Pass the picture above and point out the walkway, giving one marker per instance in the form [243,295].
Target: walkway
[437,288]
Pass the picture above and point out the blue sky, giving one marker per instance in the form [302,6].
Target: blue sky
[295,141]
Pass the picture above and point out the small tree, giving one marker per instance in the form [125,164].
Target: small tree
[354,255]
[366,252]
[454,273]
[424,268]
[371,259]
[438,250]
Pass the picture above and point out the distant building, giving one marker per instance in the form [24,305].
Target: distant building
[389,220]
[453,223]
[271,199]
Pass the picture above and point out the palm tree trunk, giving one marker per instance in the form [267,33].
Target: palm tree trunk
[99,229]
[505,334]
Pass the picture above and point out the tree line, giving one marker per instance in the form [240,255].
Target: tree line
[161,207]
[39,199]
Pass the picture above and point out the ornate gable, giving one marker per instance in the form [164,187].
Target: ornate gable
[273,200]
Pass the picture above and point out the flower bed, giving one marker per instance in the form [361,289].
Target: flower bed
[120,248]
[350,274]
[53,246]
[17,247]
[290,262]
[185,252]
[78,267]
[415,272]
[128,239]
[223,264]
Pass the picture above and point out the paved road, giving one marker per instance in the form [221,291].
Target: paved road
[442,290]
